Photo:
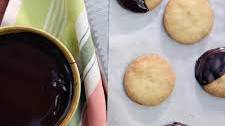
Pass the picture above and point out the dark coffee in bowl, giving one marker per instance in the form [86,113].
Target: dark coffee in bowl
[35,81]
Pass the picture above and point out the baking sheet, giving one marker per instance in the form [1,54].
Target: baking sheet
[132,35]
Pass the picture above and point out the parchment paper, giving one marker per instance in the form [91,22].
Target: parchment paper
[132,35]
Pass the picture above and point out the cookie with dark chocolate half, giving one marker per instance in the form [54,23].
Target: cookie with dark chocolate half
[176,124]
[140,6]
[210,71]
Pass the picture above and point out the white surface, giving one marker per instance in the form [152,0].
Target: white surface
[132,35]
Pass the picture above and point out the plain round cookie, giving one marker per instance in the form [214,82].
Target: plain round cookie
[152,4]
[188,21]
[149,80]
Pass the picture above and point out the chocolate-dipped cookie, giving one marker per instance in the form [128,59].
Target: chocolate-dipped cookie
[210,72]
[140,6]
[176,124]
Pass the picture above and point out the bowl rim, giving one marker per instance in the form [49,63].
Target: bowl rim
[68,56]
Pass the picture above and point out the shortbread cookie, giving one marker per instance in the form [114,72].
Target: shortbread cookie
[141,6]
[176,124]
[188,21]
[149,80]
[210,72]
[152,4]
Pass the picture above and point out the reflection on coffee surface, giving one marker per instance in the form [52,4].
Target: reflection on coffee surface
[36,81]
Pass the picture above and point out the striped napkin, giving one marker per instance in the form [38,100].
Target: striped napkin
[67,20]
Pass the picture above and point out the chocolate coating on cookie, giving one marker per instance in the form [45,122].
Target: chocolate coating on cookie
[134,5]
[210,66]
[176,124]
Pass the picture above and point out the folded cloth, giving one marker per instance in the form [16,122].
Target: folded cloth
[67,20]
[98,15]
